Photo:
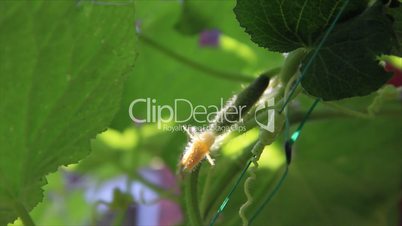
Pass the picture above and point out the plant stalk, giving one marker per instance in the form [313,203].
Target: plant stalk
[292,64]
[191,198]
[23,214]
[195,65]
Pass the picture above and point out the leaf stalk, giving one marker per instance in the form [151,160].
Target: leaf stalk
[23,214]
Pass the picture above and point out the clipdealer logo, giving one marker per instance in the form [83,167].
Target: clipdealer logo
[266,107]
[164,114]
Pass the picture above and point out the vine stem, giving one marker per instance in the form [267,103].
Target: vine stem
[348,111]
[216,195]
[23,214]
[205,190]
[292,64]
[195,65]
[270,196]
[191,198]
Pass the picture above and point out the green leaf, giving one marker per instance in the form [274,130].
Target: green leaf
[347,65]
[62,67]
[287,25]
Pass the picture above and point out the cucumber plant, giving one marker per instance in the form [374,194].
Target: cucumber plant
[335,50]
[66,75]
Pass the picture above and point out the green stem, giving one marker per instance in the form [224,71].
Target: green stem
[290,75]
[292,64]
[227,198]
[348,111]
[270,195]
[296,117]
[289,70]
[195,65]
[206,189]
[265,189]
[23,214]
[217,193]
[191,198]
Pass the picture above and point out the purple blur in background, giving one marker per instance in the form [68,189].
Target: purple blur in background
[209,38]
[148,209]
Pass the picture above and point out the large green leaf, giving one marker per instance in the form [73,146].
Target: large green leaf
[62,67]
[346,66]
[287,25]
